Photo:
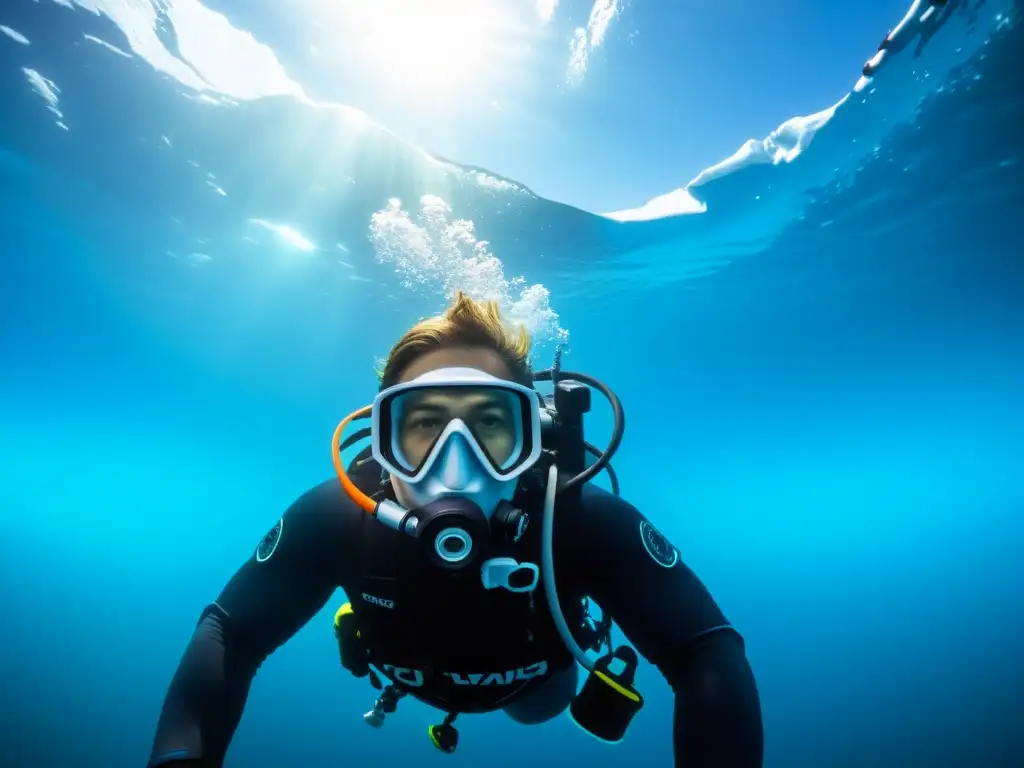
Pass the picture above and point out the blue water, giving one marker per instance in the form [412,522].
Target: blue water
[823,376]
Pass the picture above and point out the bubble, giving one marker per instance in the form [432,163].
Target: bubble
[436,252]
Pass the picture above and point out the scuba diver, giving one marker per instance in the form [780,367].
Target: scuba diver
[469,543]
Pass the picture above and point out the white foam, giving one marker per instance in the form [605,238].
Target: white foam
[601,16]
[493,184]
[486,182]
[46,88]
[783,145]
[436,252]
[48,91]
[578,60]
[108,46]
[585,41]
[15,35]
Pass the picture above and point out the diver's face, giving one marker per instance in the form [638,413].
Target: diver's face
[487,413]
[484,411]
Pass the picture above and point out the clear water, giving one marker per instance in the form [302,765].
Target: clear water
[823,376]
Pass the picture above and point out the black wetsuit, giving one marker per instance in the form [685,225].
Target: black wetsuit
[455,645]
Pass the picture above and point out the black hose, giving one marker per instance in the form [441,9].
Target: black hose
[618,428]
[593,449]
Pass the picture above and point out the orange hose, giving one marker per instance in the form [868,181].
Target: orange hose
[347,485]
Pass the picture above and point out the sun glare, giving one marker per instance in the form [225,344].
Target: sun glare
[434,46]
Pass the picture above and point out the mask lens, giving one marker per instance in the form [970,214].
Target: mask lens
[495,417]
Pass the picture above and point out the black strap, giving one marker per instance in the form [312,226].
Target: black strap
[354,438]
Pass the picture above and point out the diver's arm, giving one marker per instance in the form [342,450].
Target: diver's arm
[264,604]
[668,614]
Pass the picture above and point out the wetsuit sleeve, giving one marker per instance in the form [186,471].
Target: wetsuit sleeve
[288,579]
[637,577]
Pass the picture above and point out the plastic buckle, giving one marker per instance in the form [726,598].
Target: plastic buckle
[506,573]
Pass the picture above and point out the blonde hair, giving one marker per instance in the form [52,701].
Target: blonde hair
[466,323]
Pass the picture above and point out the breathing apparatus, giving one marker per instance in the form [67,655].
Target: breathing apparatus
[455,531]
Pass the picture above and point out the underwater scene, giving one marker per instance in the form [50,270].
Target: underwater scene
[794,255]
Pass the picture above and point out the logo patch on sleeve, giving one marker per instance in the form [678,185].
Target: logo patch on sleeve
[269,543]
[657,546]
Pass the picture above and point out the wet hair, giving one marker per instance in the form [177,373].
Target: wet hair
[465,323]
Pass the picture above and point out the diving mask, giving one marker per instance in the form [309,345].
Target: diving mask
[457,432]
[456,440]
